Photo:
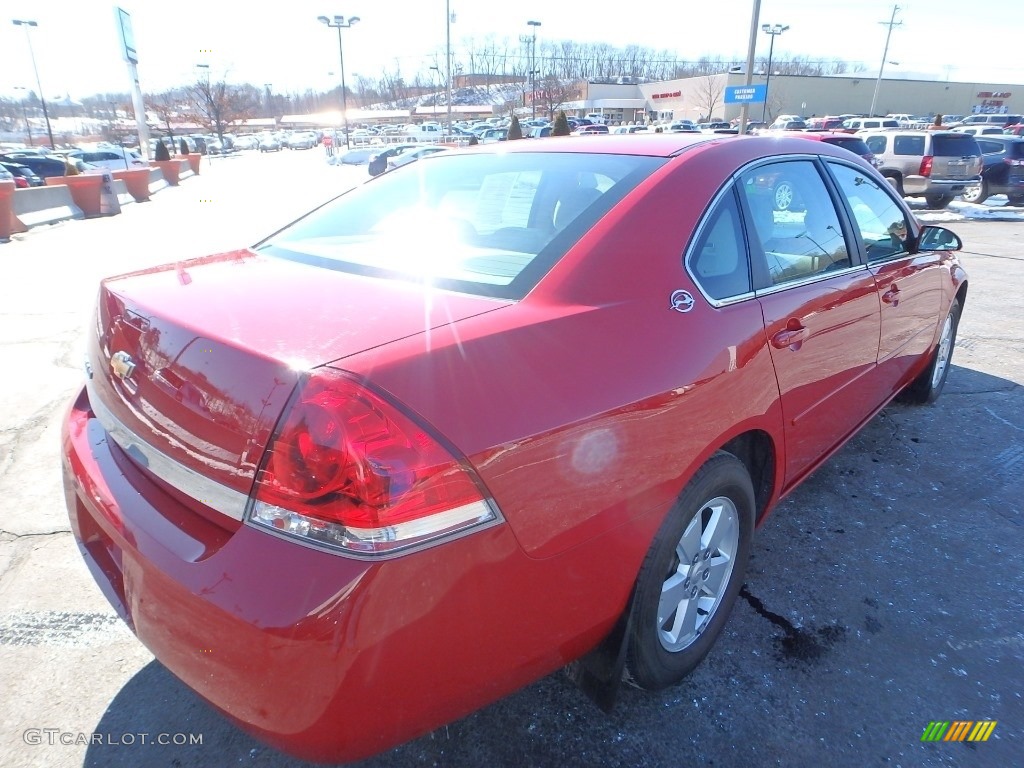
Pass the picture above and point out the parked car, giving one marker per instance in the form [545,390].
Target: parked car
[249,141]
[301,140]
[591,130]
[1001,121]
[824,123]
[269,143]
[937,164]
[378,162]
[413,155]
[23,176]
[980,130]
[541,131]
[869,124]
[1003,172]
[111,158]
[787,125]
[292,482]
[44,166]
[631,129]
[490,135]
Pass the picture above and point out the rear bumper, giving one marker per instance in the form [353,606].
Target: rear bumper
[324,657]
[922,185]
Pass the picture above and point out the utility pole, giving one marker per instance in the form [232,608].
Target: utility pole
[885,53]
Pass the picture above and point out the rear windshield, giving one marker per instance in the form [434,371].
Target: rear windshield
[852,143]
[954,145]
[487,224]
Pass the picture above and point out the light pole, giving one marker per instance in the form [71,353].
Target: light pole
[26,24]
[774,30]
[881,67]
[533,67]
[340,23]
[434,88]
[24,112]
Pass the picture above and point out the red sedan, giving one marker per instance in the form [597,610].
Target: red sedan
[502,410]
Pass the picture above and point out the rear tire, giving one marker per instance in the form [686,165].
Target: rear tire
[938,202]
[927,387]
[692,574]
[978,194]
[1015,200]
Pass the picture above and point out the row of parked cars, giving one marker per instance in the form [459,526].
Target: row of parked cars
[31,166]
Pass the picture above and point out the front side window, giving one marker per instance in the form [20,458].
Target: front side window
[489,224]
[804,241]
[880,220]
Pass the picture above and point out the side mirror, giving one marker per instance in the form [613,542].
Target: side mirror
[934,238]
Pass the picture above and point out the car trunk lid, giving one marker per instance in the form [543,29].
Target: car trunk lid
[191,365]
[955,156]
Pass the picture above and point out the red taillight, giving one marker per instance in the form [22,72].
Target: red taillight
[1013,163]
[20,182]
[926,166]
[349,469]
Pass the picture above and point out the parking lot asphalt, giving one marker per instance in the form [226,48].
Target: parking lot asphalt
[883,594]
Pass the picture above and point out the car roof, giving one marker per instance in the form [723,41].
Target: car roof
[741,148]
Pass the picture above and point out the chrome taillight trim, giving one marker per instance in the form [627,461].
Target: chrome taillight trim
[213,494]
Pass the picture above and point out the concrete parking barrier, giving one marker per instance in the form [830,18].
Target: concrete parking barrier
[157,180]
[123,195]
[137,182]
[45,205]
[9,224]
[86,191]
[171,169]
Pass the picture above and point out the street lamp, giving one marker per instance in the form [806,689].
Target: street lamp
[26,24]
[773,30]
[24,112]
[533,67]
[340,23]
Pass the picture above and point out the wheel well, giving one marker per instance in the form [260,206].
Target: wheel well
[961,295]
[757,452]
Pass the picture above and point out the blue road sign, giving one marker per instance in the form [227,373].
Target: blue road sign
[751,94]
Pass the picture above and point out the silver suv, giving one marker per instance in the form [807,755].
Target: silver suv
[937,164]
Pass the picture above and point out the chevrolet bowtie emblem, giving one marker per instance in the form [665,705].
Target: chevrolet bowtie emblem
[122,365]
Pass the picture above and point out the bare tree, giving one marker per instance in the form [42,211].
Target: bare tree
[220,107]
[553,92]
[709,94]
[169,107]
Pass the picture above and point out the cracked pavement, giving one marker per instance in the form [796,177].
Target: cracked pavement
[884,593]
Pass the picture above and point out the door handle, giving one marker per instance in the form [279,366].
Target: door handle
[792,337]
[892,296]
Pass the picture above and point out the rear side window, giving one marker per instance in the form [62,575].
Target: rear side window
[719,262]
[954,145]
[908,145]
[991,147]
[877,144]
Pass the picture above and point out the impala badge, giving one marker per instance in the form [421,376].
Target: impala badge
[122,365]
[681,301]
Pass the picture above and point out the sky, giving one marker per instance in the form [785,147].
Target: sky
[77,50]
